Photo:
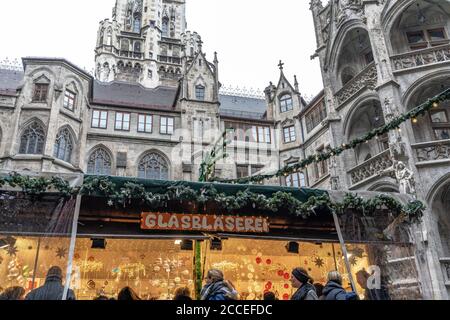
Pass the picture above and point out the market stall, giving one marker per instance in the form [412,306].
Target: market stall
[156,236]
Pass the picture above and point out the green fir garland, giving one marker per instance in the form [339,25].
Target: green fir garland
[280,202]
[319,157]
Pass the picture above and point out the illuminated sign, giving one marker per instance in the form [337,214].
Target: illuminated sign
[200,222]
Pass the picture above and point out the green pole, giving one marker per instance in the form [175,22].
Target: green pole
[198,269]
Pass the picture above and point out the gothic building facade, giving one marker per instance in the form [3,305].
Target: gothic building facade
[380,59]
[155,105]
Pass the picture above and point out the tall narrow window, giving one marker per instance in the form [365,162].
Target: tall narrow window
[137,47]
[153,166]
[137,24]
[122,121]
[289,134]
[63,145]
[145,123]
[69,100]
[32,139]
[286,103]
[200,92]
[99,163]
[166,125]
[165,27]
[40,92]
[125,45]
[109,37]
[99,119]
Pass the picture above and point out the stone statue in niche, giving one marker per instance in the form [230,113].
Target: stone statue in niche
[404,177]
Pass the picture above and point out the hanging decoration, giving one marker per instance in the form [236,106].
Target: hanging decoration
[394,124]
[11,250]
[61,253]
[318,262]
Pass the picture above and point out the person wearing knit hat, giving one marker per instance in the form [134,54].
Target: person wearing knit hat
[301,280]
[52,289]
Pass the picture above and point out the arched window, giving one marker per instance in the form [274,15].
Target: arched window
[153,166]
[165,27]
[63,145]
[200,92]
[99,163]
[286,103]
[32,139]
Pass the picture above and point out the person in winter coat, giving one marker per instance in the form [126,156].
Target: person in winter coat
[52,289]
[333,289]
[217,288]
[303,282]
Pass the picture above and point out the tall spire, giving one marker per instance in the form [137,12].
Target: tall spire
[295,83]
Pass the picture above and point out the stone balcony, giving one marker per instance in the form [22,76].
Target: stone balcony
[370,169]
[432,152]
[419,58]
[366,79]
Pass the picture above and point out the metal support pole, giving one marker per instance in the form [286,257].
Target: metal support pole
[36,263]
[344,251]
[73,239]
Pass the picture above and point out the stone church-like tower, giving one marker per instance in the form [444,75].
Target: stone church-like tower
[144,42]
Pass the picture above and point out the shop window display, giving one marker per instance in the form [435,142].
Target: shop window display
[154,269]
[256,267]
[25,259]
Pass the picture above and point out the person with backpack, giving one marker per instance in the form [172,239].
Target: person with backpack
[217,288]
[303,282]
[333,290]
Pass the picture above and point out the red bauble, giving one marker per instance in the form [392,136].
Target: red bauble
[269,285]
[285,296]
[286,276]
[280,273]
[268,261]
[258,260]
[286,286]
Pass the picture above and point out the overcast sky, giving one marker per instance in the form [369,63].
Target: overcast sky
[250,36]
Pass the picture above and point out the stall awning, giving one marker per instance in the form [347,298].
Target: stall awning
[161,186]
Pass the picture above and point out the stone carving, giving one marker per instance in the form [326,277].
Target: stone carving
[390,110]
[434,152]
[421,58]
[371,167]
[365,79]
[348,8]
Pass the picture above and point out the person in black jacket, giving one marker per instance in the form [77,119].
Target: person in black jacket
[52,289]
[333,289]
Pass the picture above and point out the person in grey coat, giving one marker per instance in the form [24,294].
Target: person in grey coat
[333,289]
[52,289]
[303,282]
